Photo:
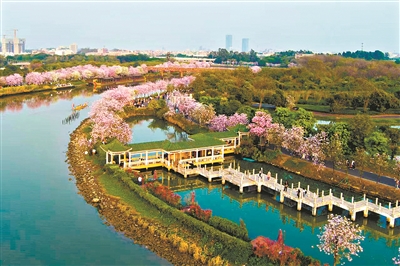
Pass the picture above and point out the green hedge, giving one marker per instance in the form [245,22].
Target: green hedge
[231,248]
[229,227]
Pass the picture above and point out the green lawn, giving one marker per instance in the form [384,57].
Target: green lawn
[116,188]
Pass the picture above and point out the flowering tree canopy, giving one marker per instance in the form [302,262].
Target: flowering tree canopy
[14,80]
[260,123]
[341,238]
[222,122]
[104,112]
[255,69]
[396,260]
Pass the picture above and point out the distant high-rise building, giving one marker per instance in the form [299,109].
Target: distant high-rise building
[74,48]
[12,45]
[228,42]
[245,45]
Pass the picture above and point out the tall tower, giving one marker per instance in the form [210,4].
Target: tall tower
[245,45]
[74,48]
[16,43]
[3,45]
[228,42]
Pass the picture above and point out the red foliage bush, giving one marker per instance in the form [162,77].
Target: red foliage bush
[164,193]
[275,251]
[196,211]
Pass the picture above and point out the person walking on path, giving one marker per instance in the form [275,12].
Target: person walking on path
[286,186]
[397,184]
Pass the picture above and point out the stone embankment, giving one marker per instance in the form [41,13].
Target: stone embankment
[121,216]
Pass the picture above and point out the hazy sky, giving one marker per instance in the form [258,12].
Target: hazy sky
[320,26]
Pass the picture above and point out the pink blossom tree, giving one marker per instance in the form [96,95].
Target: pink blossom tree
[293,139]
[275,135]
[260,123]
[255,69]
[222,122]
[396,260]
[340,238]
[218,123]
[237,119]
[14,80]
[313,147]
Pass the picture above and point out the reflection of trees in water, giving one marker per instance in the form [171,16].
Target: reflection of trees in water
[70,118]
[172,133]
[300,219]
[34,100]
[158,124]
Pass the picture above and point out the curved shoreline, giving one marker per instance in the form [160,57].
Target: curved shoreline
[114,211]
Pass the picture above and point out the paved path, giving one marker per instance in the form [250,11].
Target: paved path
[356,172]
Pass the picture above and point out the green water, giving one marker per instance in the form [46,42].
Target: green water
[44,221]
[263,215]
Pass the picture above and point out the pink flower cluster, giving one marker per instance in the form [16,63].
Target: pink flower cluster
[396,260]
[184,65]
[260,125]
[104,112]
[255,69]
[340,238]
[222,122]
[291,139]
[75,73]
[14,80]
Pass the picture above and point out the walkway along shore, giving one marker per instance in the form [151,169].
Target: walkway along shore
[301,197]
[116,213]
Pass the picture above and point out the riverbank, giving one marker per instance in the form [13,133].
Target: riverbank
[165,230]
[122,217]
[25,89]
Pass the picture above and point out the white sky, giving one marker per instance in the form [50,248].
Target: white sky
[320,26]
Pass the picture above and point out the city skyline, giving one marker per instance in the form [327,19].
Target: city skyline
[317,26]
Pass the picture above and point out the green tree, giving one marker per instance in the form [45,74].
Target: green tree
[334,150]
[379,101]
[362,159]
[380,161]
[376,143]
[360,127]
[393,135]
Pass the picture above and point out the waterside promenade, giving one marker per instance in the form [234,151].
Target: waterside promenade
[302,197]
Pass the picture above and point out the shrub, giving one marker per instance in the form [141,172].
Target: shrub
[183,246]
[164,193]
[229,227]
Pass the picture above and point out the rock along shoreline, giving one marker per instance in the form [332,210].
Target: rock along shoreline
[116,213]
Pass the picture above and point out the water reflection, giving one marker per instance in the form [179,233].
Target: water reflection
[145,129]
[71,117]
[374,226]
[15,103]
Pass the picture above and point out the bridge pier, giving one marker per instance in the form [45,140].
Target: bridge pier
[314,211]
[391,222]
[223,181]
[241,188]
[281,196]
[366,213]
[353,215]
[299,203]
[259,187]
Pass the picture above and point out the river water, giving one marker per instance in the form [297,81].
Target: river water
[45,221]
